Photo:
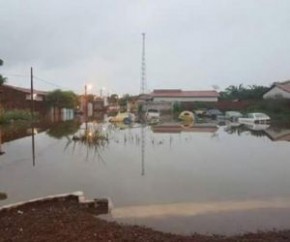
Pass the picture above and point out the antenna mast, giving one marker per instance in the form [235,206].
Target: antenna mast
[143,67]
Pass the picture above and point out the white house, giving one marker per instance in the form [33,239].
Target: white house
[178,95]
[278,90]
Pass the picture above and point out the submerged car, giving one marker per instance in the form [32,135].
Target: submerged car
[233,115]
[256,118]
[125,117]
[213,113]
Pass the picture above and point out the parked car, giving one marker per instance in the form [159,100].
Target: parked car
[152,114]
[200,112]
[125,117]
[254,118]
[233,115]
[213,113]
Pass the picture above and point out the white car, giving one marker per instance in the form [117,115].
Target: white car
[152,114]
[254,118]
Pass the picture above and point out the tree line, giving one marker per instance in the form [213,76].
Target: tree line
[240,92]
[69,99]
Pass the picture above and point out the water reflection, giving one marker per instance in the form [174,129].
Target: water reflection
[257,130]
[143,147]
[165,171]
[63,129]
[191,209]
[1,150]
[278,133]
[3,196]
[20,130]
[273,132]
[33,132]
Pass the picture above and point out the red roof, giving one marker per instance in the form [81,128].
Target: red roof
[180,93]
[284,86]
[26,90]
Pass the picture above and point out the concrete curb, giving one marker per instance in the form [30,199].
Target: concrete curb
[96,206]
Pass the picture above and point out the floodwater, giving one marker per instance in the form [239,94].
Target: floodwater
[205,179]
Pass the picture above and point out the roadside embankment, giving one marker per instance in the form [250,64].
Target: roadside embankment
[73,218]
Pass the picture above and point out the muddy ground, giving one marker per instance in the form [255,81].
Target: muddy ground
[60,221]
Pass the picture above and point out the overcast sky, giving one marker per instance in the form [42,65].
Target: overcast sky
[190,44]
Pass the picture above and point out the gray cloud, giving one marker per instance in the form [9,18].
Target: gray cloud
[191,44]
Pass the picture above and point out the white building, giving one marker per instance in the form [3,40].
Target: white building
[177,95]
[278,90]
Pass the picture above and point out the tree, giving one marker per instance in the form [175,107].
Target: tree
[90,98]
[62,99]
[2,78]
[113,99]
[243,93]
[59,99]
[123,100]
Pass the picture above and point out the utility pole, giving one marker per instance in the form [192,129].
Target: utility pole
[86,108]
[143,67]
[86,103]
[143,148]
[31,94]
[32,115]
[142,91]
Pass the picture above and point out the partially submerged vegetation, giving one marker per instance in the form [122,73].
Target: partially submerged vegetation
[91,138]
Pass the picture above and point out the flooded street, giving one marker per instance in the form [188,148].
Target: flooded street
[204,179]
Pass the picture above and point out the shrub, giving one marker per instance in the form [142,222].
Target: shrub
[15,115]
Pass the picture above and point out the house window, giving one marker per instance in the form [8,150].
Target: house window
[35,97]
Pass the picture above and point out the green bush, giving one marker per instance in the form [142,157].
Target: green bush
[176,107]
[16,115]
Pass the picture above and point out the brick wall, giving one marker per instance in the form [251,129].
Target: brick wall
[11,99]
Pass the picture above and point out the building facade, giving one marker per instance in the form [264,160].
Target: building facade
[12,98]
[278,90]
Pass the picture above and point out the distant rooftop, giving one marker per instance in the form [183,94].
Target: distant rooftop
[181,93]
[283,85]
[25,90]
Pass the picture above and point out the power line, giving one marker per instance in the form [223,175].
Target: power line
[48,82]
[17,75]
[39,79]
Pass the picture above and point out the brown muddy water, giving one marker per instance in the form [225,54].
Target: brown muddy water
[225,179]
